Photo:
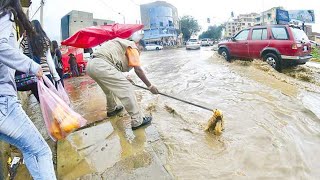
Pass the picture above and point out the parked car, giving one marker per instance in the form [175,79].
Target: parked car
[150,47]
[278,45]
[193,44]
[206,42]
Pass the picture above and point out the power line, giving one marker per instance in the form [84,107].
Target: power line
[135,3]
[36,11]
[109,6]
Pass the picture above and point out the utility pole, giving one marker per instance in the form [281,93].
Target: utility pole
[263,12]
[41,12]
[124,18]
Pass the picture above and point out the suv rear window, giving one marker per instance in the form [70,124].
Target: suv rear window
[279,33]
[299,35]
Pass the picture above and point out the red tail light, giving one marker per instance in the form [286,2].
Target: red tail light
[294,46]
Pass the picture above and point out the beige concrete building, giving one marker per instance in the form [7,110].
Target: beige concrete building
[76,20]
[100,22]
[241,22]
[267,17]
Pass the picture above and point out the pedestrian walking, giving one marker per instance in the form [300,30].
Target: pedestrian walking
[106,67]
[73,65]
[57,58]
[15,126]
[36,45]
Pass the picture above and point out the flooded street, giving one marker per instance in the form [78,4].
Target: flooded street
[272,120]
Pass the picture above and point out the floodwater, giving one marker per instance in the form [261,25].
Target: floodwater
[272,119]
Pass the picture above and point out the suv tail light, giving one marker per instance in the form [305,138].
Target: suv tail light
[294,46]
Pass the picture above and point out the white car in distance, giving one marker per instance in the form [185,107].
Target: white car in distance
[150,47]
[193,44]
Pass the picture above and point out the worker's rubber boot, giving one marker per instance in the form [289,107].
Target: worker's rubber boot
[115,112]
[146,120]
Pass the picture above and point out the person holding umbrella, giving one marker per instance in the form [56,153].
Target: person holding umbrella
[106,67]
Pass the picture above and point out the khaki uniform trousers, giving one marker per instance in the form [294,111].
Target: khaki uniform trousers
[114,84]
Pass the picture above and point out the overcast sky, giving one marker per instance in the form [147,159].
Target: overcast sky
[201,9]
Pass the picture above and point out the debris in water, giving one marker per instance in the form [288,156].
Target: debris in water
[151,108]
[216,123]
[187,130]
[239,173]
[170,110]
[244,62]
[301,73]
[262,65]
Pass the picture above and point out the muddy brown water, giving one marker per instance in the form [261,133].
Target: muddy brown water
[272,126]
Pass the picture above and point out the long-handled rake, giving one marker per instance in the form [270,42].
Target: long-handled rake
[215,123]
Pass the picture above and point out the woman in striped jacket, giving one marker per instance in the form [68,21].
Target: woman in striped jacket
[37,46]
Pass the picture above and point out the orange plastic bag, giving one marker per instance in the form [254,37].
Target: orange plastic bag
[59,118]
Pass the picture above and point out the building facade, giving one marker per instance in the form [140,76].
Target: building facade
[268,17]
[241,22]
[247,20]
[76,20]
[160,20]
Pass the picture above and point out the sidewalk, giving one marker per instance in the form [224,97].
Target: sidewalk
[100,150]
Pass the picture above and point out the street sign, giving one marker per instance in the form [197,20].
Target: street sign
[282,16]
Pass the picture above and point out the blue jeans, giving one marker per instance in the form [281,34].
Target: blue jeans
[17,129]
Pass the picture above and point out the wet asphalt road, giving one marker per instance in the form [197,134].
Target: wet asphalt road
[272,121]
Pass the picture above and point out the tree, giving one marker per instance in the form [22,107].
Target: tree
[213,32]
[189,25]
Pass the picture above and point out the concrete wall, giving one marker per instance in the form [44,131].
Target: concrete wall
[79,20]
[99,22]
[76,20]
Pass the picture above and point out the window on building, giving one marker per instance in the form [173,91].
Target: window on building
[269,16]
[105,23]
[249,24]
[243,24]
[243,35]
[279,33]
[259,34]
[161,24]
[95,23]
[170,23]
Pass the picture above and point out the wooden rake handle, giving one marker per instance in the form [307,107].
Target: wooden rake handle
[181,100]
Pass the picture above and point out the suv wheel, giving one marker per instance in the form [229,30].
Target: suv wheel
[273,61]
[157,48]
[225,54]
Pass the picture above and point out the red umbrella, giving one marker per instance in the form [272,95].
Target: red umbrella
[95,35]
